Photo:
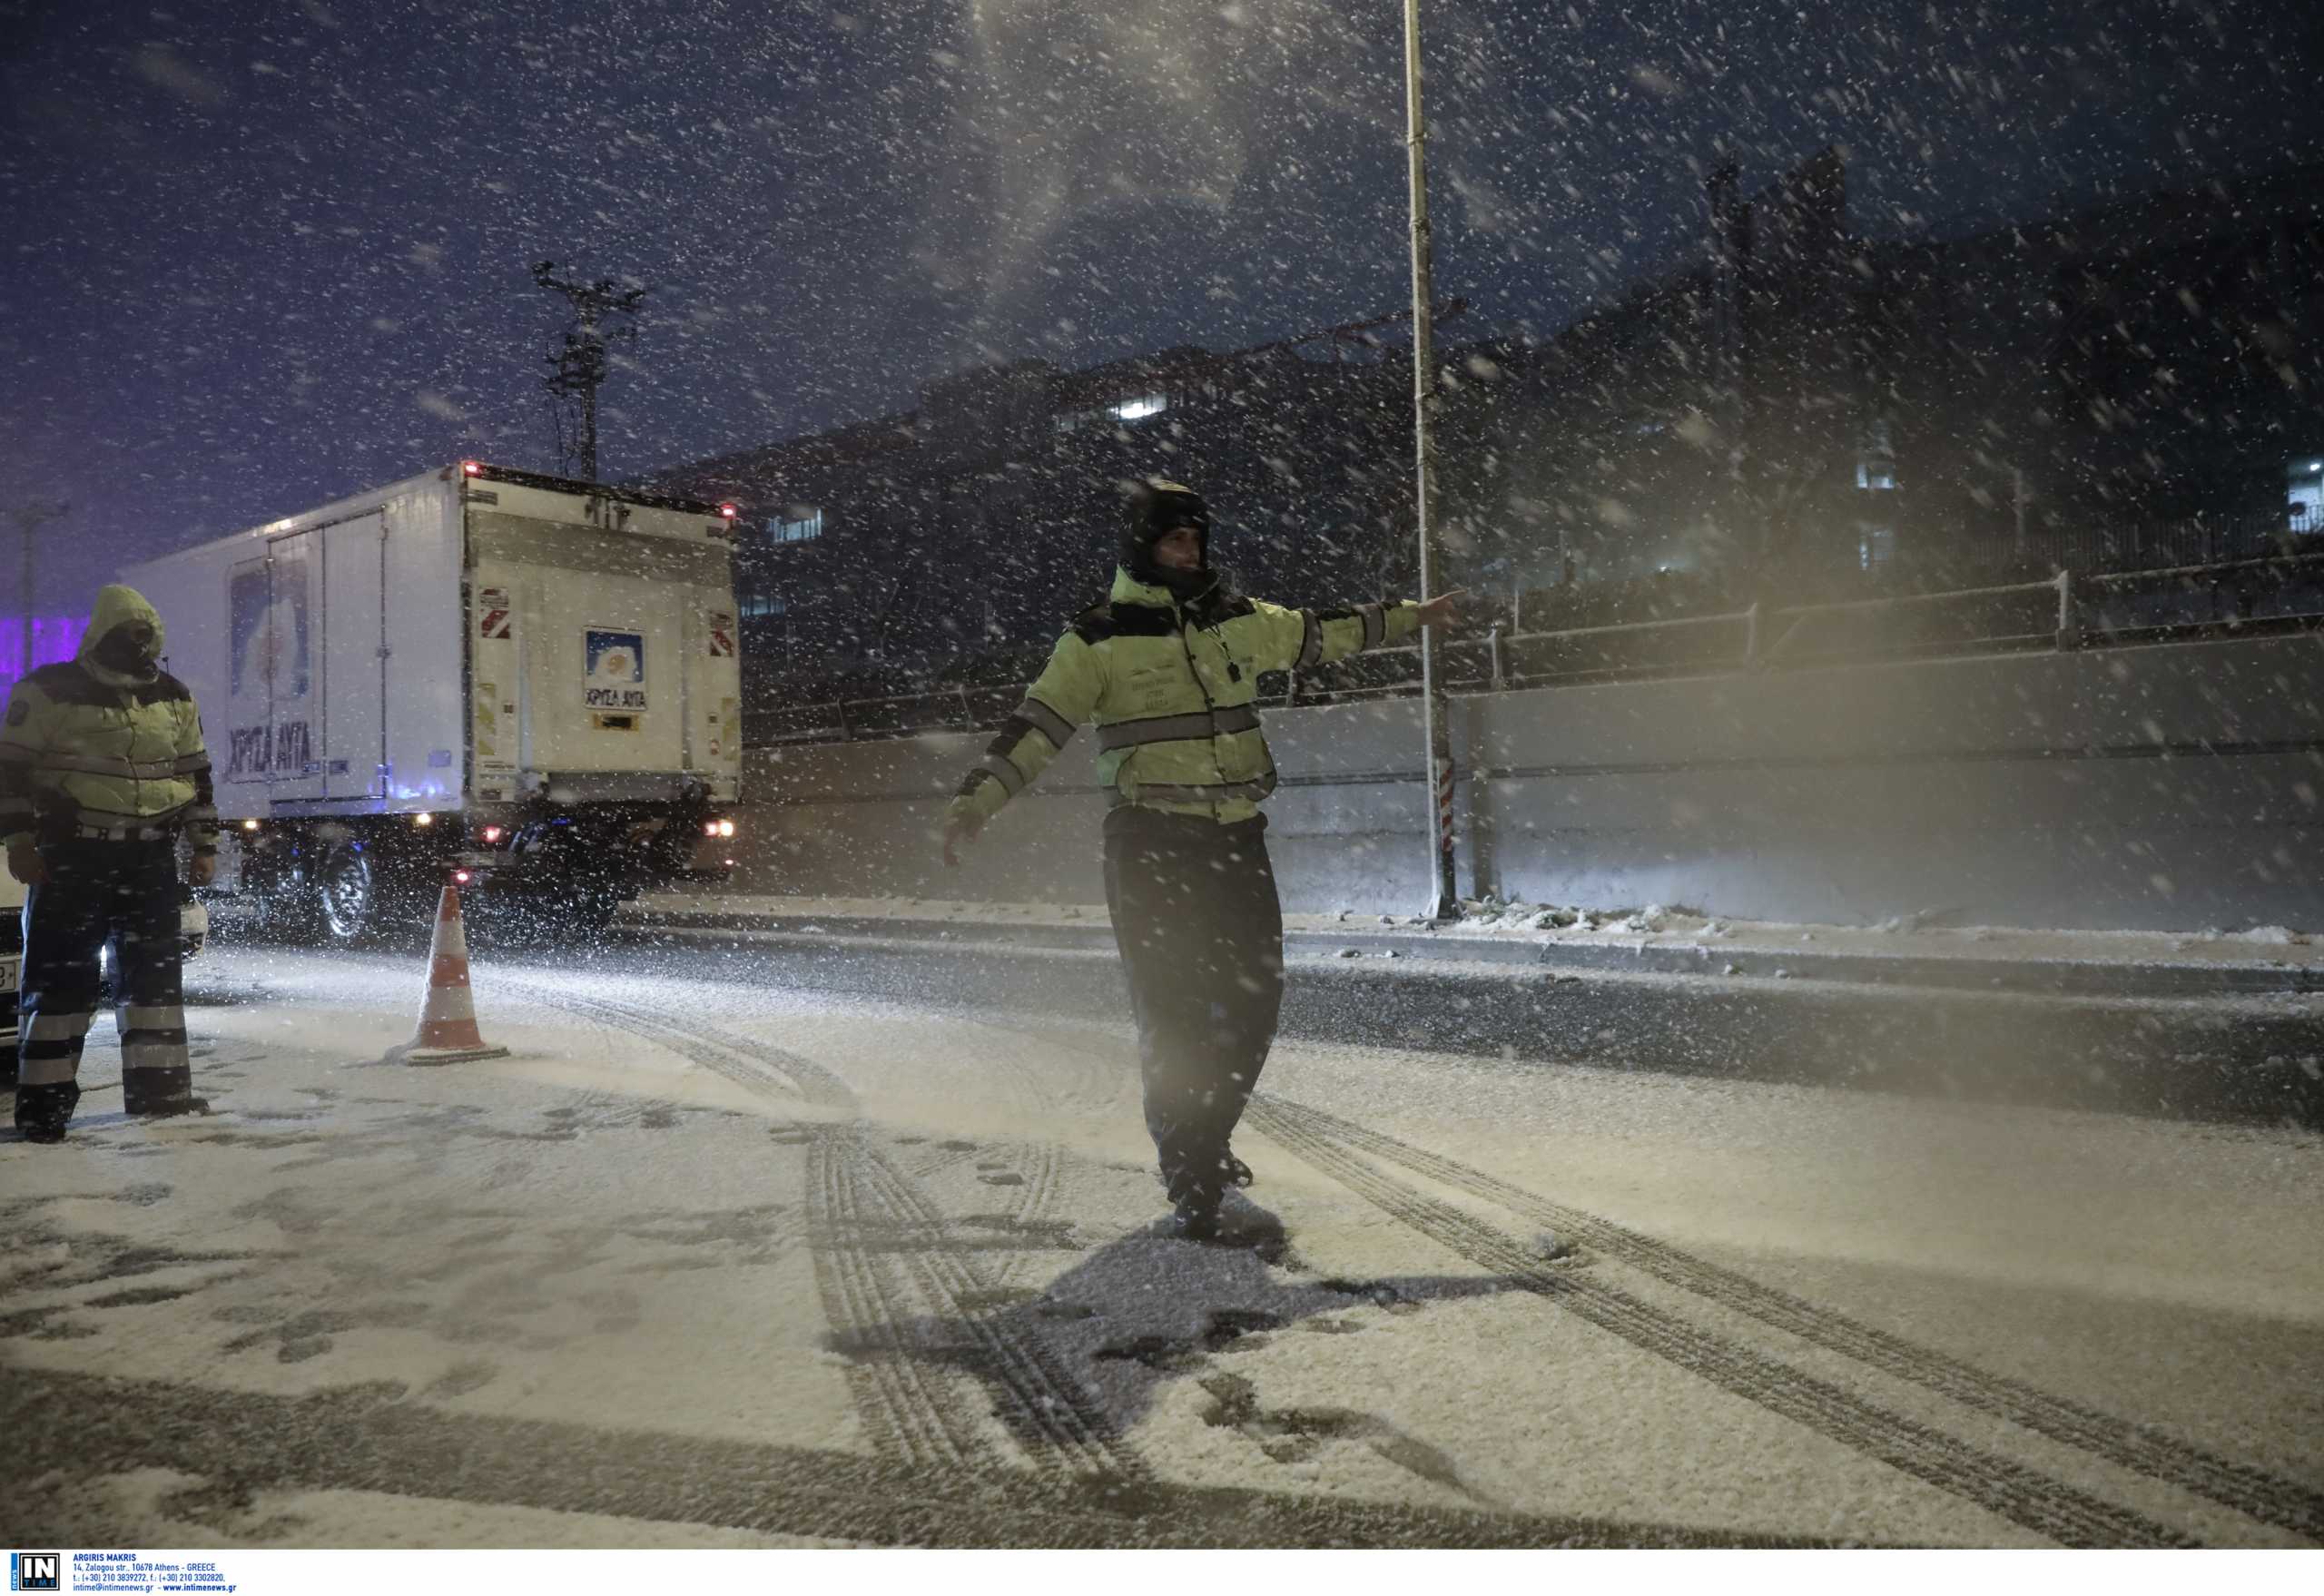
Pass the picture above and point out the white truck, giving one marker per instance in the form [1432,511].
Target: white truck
[523,685]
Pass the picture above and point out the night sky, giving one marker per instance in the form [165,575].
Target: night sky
[264,252]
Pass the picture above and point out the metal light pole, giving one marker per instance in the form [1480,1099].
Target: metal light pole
[29,519]
[1444,901]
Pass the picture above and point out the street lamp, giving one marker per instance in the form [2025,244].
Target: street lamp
[1444,902]
[29,519]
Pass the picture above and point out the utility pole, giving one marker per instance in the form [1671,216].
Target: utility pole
[578,370]
[29,519]
[1444,901]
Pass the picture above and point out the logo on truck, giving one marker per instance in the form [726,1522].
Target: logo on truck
[269,670]
[615,669]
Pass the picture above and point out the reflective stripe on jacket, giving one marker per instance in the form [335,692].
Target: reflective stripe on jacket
[1170,687]
[76,752]
[84,746]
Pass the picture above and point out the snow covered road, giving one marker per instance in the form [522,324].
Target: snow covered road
[721,1258]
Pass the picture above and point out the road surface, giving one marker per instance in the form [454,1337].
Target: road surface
[721,1255]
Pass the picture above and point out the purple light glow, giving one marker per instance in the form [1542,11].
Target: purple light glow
[54,637]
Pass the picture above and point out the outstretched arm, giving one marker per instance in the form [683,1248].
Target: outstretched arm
[1299,638]
[1065,695]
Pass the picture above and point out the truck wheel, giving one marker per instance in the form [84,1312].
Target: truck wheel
[577,911]
[281,907]
[346,894]
[594,908]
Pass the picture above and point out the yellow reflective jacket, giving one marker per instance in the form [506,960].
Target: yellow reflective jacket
[1171,689]
[82,746]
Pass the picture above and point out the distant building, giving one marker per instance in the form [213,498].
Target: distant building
[1803,403]
[1797,410]
[983,520]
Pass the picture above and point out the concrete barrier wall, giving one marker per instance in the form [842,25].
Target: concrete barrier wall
[2172,787]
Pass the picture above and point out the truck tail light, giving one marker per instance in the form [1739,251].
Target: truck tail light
[491,834]
[718,828]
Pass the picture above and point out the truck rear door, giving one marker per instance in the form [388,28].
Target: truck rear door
[354,730]
[599,647]
[604,674]
[275,697]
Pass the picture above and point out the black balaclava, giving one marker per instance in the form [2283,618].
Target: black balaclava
[131,650]
[1158,506]
[124,645]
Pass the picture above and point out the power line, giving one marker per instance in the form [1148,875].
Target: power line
[578,368]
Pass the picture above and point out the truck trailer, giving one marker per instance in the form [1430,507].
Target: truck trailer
[525,685]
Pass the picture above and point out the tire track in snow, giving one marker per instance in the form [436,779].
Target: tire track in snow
[2064,1512]
[908,1408]
[807,1079]
[371,1437]
[2140,1448]
[913,1411]
[1041,1164]
[1056,1421]
[1041,1172]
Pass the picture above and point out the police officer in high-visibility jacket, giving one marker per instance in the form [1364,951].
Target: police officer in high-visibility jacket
[1168,669]
[102,767]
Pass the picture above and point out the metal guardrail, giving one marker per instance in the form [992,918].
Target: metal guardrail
[1766,638]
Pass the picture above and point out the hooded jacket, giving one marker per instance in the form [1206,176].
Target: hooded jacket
[1171,686]
[86,744]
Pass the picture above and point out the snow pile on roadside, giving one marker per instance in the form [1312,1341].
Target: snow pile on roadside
[1926,934]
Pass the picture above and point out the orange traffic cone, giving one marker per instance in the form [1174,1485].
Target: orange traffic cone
[448,1032]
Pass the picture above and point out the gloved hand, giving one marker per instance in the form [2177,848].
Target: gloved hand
[24,864]
[961,825]
[1442,609]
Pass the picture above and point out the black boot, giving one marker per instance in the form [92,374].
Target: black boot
[43,1111]
[1195,1216]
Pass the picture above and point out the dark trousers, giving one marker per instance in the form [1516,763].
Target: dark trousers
[1200,930]
[124,893]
